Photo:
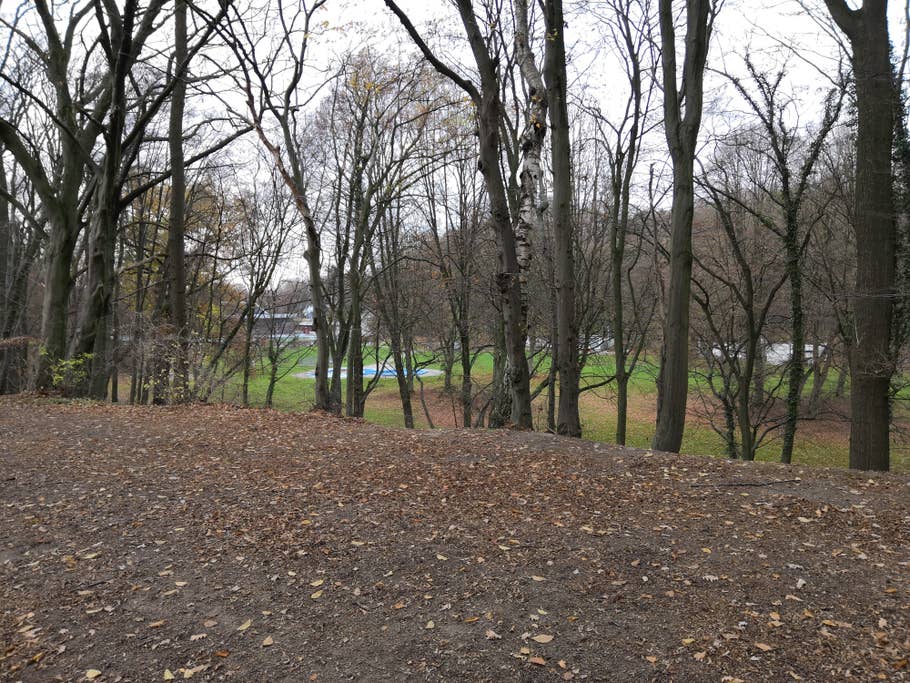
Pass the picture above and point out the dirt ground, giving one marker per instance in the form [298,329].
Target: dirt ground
[143,544]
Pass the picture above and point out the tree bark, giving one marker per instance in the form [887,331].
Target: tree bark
[569,420]
[177,219]
[872,361]
[682,135]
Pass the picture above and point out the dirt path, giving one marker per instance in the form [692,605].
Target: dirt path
[222,544]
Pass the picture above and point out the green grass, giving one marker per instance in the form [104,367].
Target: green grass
[598,409]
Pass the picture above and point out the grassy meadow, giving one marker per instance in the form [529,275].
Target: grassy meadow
[821,442]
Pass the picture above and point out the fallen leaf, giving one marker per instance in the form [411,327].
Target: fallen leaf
[764,647]
[538,578]
[442,558]
[245,625]
[316,595]
[268,642]
[157,624]
[542,638]
[92,674]
[539,661]
[222,653]
[198,636]
[699,656]
[492,635]
[430,625]
[317,583]
[209,623]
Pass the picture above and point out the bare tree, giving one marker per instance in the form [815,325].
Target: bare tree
[272,87]
[792,154]
[682,118]
[176,261]
[488,102]
[629,22]
[872,362]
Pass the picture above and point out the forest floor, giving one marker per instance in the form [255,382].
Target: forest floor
[214,543]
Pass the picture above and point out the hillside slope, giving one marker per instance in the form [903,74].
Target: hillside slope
[217,544]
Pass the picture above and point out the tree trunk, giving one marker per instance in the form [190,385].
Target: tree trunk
[682,135]
[796,368]
[673,378]
[467,397]
[57,288]
[355,397]
[247,352]
[177,219]
[401,376]
[274,360]
[569,421]
[501,402]
[872,362]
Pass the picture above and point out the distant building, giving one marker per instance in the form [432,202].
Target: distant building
[283,326]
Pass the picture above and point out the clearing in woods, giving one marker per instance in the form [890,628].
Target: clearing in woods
[213,543]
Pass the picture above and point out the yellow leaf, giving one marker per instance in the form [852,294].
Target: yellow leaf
[92,674]
[180,584]
[442,558]
[430,625]
[398,605]
[688,641]
[245,625]
[471,620]
[538,578]
[316,595]
[168,676]
[317,583]
[651,659]
[542,638]
[268,642]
